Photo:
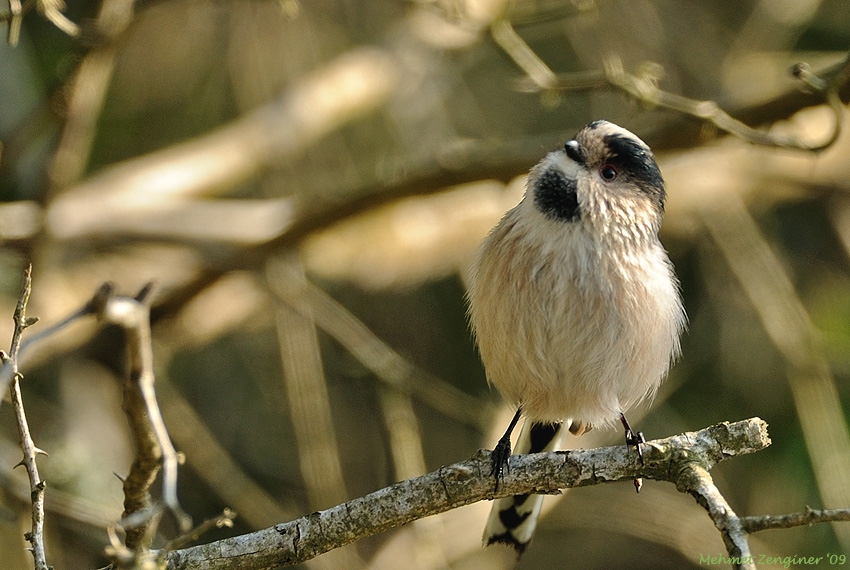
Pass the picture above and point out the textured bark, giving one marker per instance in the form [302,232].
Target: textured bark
[683,459]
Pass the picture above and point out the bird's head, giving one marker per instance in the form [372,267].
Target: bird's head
[604,175]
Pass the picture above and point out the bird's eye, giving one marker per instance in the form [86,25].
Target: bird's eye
[607,172]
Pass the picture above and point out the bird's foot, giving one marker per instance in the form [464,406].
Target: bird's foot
[634,439]
[500,458]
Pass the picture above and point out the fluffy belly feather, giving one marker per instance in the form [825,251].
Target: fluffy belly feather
[569,333]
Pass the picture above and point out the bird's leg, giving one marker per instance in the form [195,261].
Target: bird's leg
[502,451]
[634,439]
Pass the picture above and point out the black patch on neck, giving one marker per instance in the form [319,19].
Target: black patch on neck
[555,195]
[637,162]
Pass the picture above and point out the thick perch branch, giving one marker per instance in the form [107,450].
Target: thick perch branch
[682,459]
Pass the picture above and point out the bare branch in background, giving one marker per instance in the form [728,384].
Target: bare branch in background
[50,9]
[307,394]
[15,19]
[86,94]
[783,315]
[643,86]
[356,83]
[535,68]
[374,353]
[407,450]
[682,459]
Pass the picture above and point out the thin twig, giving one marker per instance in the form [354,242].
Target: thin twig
[791,520]
[122,557]
[225,519]
[512,44]
[10,361]
[468,482]
[94,305]
[645,89]
[643,86]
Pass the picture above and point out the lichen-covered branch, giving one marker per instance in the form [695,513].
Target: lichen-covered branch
[468,482]
[695,480]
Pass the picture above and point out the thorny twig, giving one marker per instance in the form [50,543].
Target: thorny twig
[93,306]
[10,362]
[154,449]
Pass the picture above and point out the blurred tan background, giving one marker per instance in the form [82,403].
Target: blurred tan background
[306,183]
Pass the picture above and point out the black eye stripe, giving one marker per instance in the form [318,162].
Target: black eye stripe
[636,162]
[633,157]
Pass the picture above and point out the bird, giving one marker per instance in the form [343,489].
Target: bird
[574,303]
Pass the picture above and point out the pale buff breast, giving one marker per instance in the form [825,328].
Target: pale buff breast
[566,328]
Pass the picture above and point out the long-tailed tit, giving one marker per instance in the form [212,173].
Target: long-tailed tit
[574,303]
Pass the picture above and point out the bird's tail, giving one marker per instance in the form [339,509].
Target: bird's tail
[513,519]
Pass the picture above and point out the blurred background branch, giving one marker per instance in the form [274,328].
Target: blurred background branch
[50,9]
